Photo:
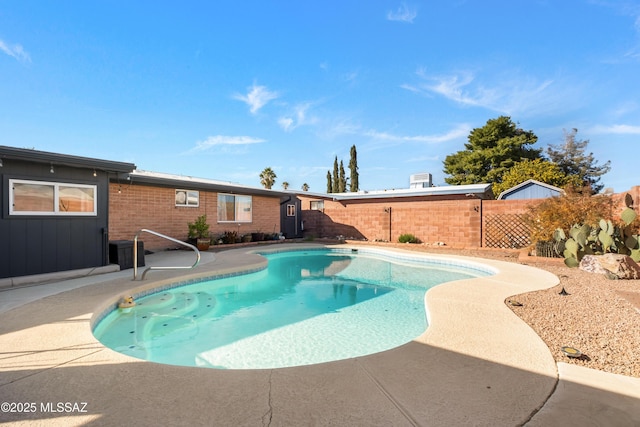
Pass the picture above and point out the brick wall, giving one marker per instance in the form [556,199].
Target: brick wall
[461,222]
[133,207]
[456,222]
[619,204]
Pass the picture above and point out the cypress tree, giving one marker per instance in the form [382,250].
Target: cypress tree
[342,184]
[354,185]
[335,182]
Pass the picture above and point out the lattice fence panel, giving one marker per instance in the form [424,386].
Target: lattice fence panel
[506,231]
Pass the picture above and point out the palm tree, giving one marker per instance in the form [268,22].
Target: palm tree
[268,178]
[305,187]
[285,185]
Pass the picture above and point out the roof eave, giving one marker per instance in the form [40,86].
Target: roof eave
[189,183]
[57,159]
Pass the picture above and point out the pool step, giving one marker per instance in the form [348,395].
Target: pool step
[185,309]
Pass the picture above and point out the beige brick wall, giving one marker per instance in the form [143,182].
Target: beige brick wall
[133,207]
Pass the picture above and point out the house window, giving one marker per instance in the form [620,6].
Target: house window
[234,208]
[291,210]
[52,198]
[188,198]
[317,205]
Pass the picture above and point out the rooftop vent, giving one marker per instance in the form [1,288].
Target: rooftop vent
[420,180]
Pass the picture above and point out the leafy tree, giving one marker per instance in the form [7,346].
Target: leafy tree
[285,185]
[335,182]
[329,183]
[571,158]
[538,169]
[354,184]
[491,151]
[342,179]
[305,187]
[268,178]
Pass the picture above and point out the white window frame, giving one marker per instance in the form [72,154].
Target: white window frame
[291,210]
[188,196]
[316,205]
[236,206]
[56,198]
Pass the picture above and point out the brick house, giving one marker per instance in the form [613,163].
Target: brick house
[166,203]
[59,212]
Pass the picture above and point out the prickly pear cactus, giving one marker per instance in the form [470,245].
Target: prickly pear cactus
[605,237]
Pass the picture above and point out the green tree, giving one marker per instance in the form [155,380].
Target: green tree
[285,185]
[342,179]
[354,184]
[538,169]
[335,181]
[329,183]
[268,178]
[305,187]
[570,156]
[490,152]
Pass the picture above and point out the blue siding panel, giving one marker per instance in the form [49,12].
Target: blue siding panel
[531,191]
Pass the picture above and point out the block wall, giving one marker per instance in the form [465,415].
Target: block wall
[133,207]
[456,222]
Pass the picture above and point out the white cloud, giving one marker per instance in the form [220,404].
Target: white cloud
[286,123]
[459,131]
[403,14]
[340,126]
[257,97]
[297,118]
[509,93]
[351,76]
[16,51]
[617,129]
[213,141]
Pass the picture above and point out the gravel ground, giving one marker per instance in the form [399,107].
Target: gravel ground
[600,317]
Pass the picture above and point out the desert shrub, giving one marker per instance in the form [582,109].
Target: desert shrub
[566,210]
[408,238]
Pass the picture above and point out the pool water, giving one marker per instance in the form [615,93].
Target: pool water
[307,307]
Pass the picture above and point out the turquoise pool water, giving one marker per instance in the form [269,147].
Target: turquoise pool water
[307,307]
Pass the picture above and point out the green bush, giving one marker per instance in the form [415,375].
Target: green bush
[408,238]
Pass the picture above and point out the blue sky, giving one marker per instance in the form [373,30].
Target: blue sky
[222,90]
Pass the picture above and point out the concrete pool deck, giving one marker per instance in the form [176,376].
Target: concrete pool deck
[477,364]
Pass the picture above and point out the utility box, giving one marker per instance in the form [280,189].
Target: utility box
[121,253]
[420,180]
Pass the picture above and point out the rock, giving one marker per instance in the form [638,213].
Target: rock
[614,266]
[591,264]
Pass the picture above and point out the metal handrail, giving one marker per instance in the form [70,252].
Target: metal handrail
[155,233]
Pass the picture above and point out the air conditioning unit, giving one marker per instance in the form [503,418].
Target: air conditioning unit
[420,180]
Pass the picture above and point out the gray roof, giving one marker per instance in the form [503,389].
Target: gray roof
[189,182]
[36,156]
[481,191]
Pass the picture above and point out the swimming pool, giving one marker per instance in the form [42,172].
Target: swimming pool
[306,307]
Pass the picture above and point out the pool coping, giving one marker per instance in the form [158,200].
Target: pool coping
[499,372]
